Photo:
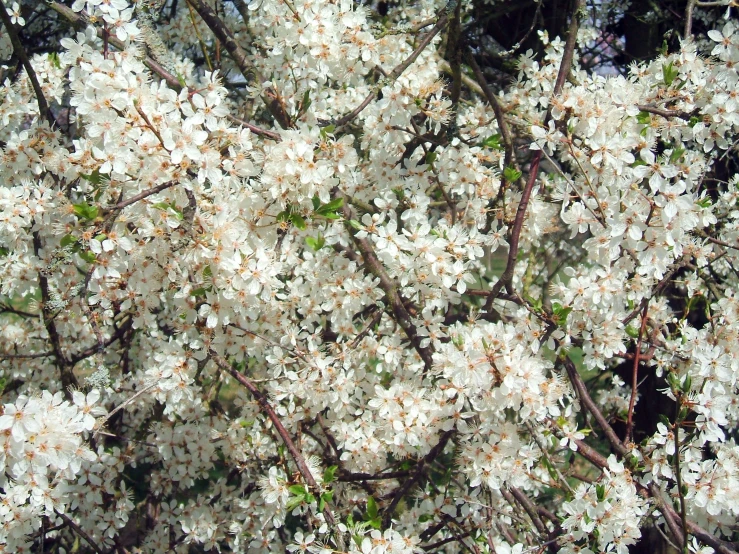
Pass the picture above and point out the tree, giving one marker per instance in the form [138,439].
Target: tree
[324,276]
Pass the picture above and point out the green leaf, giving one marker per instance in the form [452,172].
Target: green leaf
[298,490]
[511,175]
[4,251]
[207,272]
[560,313]
[88,256]
[601,492]
[68,240]
[353,223]
[669,73]
[332,206]
[327,497]
[316,202]
[327,130]
[677,153]
[431,158]
[95,177]
[372,510]
[687,384]
[632,331]
[493,141]
[644,118]
[298,221]
[84,211]
[550,468]
[294,502]
[329,475]
[375,523]
[305,104]
[54,59]
[199,292]
[329,211]
[705,202]
[170,207]
[315,243]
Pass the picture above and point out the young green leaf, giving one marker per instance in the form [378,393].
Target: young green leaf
[493,142]
[84,211]
[329,475]
[511,174]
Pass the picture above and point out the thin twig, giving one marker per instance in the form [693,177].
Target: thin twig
[635,376]
[280,428]
[587,402]
[397,305]
[20,51]
[77,529]
[397,71]
[400,493]
[564,69]
[140,196]
[99,423]
[667,114]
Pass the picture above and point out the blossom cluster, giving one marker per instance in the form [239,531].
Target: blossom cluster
[281,276]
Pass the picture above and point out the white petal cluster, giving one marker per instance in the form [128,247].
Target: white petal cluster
[184,220]
[41,453]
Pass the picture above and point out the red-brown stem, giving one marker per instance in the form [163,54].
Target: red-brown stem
[77,529]
[395,300]
[635,376]
[141,196]
[279,427]
[587,402]
[397,71]
[506,279]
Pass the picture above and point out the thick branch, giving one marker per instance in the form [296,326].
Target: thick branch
[406,487]
[506,279]
[279,427]
[587,402]
[397,305]
[19,51]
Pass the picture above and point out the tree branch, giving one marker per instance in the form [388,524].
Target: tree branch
[280,428]
[587,402]
[407,485]
[506,279]
[397,71]
[20,51]
[397,303]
